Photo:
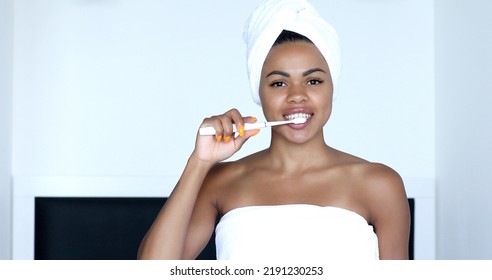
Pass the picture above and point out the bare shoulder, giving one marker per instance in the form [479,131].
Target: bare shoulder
[384,197]
[383,190]
[226,172]
[378,180]
[374,176]
[224,175]
[220,176]
[380,177]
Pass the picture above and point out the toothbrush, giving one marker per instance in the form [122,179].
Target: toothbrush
[249,126]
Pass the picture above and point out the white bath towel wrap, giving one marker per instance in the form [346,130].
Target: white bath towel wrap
[294,232]
[270,18]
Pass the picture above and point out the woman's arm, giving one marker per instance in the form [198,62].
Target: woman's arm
[186,221]
[167,235]
[390,214]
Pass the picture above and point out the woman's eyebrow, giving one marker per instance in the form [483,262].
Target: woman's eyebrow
[277,72]
[310,71]
[304,74]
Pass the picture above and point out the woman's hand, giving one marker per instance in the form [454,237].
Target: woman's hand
[225,142]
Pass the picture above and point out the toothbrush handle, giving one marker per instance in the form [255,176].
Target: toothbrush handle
[209,130]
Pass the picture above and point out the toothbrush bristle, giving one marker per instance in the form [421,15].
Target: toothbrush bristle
[299,120]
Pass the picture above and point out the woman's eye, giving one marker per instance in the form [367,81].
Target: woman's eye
[315,82]
[277,84]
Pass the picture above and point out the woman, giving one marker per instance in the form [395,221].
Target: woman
[298,199]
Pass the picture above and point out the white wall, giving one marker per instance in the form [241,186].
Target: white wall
[385,109]
[6,32]
[118,88]
[464,134]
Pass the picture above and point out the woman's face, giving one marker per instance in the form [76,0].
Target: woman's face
[296,81]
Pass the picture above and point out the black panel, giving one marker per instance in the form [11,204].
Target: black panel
[95,228]
[105,228]
[411,203]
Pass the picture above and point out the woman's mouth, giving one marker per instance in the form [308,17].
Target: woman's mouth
[298,115]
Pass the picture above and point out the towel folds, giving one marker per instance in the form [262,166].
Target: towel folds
[270,18]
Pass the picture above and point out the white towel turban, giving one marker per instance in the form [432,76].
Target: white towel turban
[270,18]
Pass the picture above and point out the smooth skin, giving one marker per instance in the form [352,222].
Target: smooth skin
[297,168]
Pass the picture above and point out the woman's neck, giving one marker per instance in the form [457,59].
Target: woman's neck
[291,157]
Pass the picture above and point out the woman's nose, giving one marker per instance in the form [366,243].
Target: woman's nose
[297,95]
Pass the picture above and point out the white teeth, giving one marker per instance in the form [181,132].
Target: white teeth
[297,115]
